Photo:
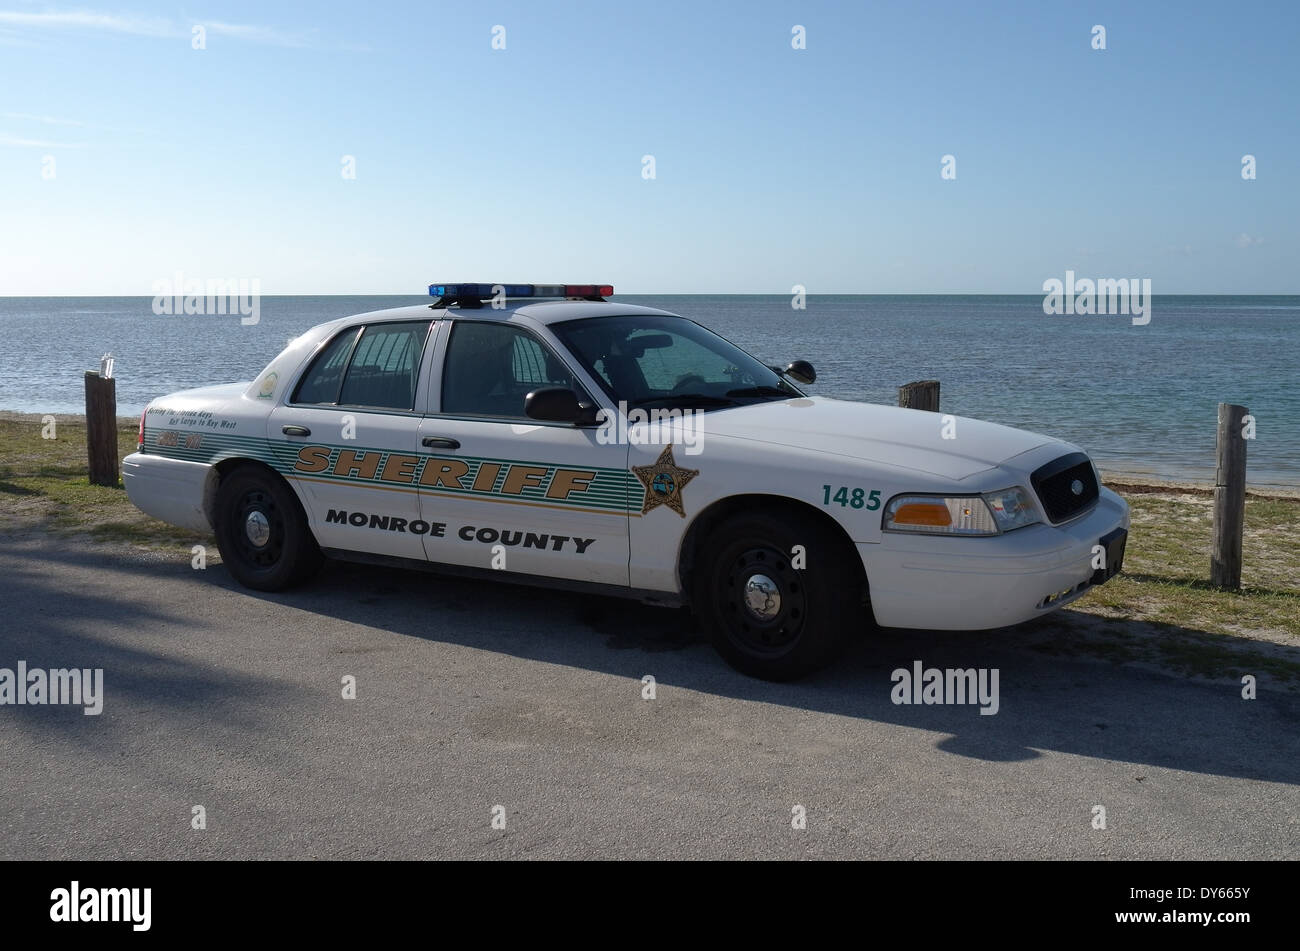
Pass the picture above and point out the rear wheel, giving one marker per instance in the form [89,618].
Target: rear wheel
[262,531]
[772,610]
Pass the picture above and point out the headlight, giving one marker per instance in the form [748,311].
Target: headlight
[988,514]
[1013,508]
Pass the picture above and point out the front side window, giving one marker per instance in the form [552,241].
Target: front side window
[490,369]
[661,361]
[377,368]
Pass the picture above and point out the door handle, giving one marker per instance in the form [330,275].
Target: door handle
[440,442]
[295,430]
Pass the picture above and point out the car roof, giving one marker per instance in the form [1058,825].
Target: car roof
[544,312]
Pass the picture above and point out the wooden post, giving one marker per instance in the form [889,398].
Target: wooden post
[923,394]
[101,429]
[1229,498]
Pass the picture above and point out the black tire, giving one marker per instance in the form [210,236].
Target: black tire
[801,629]
[288,555]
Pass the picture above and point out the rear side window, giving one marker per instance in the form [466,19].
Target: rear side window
[377,368]
[321,382]
[383,368]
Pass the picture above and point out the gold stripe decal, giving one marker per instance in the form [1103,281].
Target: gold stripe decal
[501,480]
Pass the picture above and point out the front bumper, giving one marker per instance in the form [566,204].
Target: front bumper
[171,490]
[971,584]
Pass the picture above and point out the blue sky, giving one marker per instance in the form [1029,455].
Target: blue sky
[774,166]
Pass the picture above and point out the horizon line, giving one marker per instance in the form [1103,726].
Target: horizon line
[681,294]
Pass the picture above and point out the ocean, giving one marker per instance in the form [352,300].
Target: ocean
[1141,399]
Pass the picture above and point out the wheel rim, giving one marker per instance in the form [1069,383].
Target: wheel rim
[259,529]
[761,597]
[764,606]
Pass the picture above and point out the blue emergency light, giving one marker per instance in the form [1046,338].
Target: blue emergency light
[481,292]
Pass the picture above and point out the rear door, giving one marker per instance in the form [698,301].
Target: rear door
[504,491]
[348,438]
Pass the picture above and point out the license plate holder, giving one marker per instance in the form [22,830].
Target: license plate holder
[1113,543]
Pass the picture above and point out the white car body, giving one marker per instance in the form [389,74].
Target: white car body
[604,529]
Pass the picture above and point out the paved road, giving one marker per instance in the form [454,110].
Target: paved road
[472,695]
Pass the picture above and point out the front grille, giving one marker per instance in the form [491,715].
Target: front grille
[1055,485]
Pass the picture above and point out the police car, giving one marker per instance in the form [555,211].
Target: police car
[544,434]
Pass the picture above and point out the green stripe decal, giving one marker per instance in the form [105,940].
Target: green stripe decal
[611,490]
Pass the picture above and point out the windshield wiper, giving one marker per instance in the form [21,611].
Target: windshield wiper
[762,391]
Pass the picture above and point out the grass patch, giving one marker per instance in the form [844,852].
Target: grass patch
[1167,567]
[1217,656]
[44,487]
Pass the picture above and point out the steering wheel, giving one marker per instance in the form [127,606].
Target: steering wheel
[685,381]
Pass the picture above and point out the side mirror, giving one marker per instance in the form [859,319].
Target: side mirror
[559,405]
[801,371]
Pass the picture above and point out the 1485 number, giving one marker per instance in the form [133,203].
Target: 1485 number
[852,498]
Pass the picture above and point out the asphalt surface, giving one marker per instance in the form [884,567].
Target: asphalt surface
[471,695]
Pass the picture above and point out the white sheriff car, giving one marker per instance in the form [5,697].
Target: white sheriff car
[584,443]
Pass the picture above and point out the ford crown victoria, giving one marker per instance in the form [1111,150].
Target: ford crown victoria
[544,434]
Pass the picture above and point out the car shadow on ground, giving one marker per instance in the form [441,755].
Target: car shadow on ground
[1050,697]
[49,627]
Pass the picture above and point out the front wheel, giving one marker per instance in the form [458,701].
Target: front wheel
[262,531]
[777,595]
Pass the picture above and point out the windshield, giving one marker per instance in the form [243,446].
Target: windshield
[661,361]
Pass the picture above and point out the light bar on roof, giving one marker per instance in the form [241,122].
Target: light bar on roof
[489,291]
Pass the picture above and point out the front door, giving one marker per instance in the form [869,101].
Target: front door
[511,493]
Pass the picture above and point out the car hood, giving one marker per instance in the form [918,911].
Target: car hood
[886,435]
